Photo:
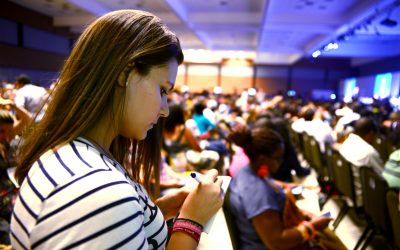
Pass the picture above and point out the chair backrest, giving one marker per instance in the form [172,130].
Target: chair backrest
[317,158]
[306,146]
[329,160]
[295,137]
[343,176]
[380,144]
[374,188]
[392,200]
[230,220]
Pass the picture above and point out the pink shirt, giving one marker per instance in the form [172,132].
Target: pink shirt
[239,160]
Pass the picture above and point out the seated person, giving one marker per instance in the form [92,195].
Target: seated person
[358,150]
[178,140]
[289,161]
[10,126]
[265,216]
[204,125]
[391,171]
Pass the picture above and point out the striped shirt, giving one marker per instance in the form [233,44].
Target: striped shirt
[76,197]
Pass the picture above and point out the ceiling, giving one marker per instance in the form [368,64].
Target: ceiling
[265,31]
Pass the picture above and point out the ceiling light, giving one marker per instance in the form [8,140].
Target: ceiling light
[316,54]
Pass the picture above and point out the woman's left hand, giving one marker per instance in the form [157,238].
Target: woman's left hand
[171,203]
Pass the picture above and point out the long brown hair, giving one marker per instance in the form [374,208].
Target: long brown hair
[114,44]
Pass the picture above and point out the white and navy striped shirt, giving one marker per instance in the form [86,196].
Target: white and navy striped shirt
[78,198]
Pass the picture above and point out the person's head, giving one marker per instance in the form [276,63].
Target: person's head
[394,116]
[366,128]
[117,75]
[176,117]
[277,124]
[6,126]
[21,80]
[198,108]
[262,145]
[308,114]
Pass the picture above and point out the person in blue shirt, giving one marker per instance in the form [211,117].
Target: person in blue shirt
[203,124]
[266,217]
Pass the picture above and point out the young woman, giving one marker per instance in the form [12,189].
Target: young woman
[266,217]
[75,191]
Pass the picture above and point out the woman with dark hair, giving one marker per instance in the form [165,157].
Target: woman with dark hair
[177,139]
[290,161]
[75,190]
[266,216]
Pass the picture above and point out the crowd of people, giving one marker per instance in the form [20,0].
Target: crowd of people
[101,161]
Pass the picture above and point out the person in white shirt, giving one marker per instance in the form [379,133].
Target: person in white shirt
[358,150]
[320,130]
[30,97]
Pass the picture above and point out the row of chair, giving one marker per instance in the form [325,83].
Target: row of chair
[381,207]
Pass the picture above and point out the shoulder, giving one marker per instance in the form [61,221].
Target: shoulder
[245,180]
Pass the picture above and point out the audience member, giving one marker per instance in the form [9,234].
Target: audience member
[391,171]
[357,149]
[204,125]
[320,130]
[265,216]
[289,161]
[76,191]
[30,97]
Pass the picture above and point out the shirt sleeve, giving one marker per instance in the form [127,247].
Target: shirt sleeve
[108,216]
[19,100]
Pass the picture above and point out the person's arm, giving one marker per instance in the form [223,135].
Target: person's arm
[199,206]
[181,241]
[192,140]
[375,161]
[286,185]
[269,227]
[24,118]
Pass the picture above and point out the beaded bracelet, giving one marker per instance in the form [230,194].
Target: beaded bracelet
[189,227]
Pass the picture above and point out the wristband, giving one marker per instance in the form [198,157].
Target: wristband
[189,227]
[190,221]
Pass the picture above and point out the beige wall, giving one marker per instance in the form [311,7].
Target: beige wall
[232,84]
[271,86]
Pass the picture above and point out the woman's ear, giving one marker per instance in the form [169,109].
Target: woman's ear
[123,78]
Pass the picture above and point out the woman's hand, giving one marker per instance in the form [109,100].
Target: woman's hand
[205,200]
[321,222]
[171,203]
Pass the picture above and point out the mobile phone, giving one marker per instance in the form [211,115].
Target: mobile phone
[327,214]
[297,190]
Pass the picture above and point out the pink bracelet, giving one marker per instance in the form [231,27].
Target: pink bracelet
[189,227]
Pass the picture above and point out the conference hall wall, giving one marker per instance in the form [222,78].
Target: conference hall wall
[30,44]
[305,81]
